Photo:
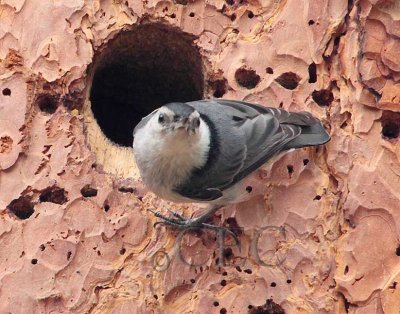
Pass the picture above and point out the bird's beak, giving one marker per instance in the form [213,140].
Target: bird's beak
[190,125]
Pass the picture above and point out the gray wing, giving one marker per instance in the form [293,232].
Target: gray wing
[247,136]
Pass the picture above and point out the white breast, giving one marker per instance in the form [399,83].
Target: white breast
[166,161]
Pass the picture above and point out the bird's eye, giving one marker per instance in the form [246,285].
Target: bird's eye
[161,118]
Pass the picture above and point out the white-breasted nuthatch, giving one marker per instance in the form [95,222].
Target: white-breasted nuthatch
[201,151]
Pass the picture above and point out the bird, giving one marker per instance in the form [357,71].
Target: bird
[203,151]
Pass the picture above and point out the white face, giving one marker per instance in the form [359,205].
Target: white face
[168,122]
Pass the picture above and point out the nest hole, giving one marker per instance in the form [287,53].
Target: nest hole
[139,71]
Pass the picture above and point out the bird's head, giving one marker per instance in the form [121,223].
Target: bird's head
[176,119]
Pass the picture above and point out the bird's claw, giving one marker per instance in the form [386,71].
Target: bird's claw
[196,223]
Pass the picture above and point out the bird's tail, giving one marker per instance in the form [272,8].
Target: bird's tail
[312,131]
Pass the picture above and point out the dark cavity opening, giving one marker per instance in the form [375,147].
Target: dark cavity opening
[47,103]
[139,71]
[6,92]
[247,78]
[22,207]
[88,191]
[390,125]
[288,80]
[54,194]
[312,73]
[323,97]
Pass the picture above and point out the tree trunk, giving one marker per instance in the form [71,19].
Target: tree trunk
[320,235]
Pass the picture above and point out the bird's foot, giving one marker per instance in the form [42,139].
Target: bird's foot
[181,222]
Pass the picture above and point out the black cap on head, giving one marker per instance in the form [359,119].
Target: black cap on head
[180,108]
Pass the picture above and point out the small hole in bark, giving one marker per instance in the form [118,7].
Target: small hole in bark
[288,80]
[7,92]
[124,189]
[346,269]
[273,284]
[88,191]
[6,144]
[139,71]
[155,296]
[269,70]
[228,253]
[224,273]
[248,271]
[249,189]
[312,73]
[305,162]
[250,15]
[106,207]
[230,2]
[390,129]
[311,22]
[398,251]
[47,103]
[249,306]
[247,78]
[290,169]
[191,14]
[317,197]
[216,303]
[323,97]
[122,251]
[223,311]
[34,261]
[233,225]
[219,87]
[42,247]
[223,282]
[192,280]
[69,253]
[173,15]
[182,2]
[270,307]
[288,281]
[22,207]
[54,195]
[390,122]
[233,17]
[238,269]
[393,285]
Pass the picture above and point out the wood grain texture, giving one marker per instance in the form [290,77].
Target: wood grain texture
[75,235]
